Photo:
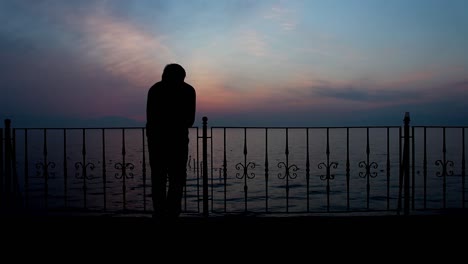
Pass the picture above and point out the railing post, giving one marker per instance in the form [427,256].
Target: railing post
[7,165]
[205,167]
[406,164]
[2,196]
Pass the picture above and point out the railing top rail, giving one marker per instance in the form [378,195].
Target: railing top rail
[237,127]
[302,127]
[440,126]
[77,128]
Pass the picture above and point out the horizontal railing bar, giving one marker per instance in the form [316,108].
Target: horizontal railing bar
[320,127]
[236,127]
[440,126]
[78,128]
[233,127]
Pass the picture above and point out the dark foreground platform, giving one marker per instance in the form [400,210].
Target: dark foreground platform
[448,219]
[193,218]
[231,231]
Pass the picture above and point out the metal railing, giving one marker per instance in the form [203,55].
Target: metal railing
[297,170]
[85,169]
[259,169]
[444,158]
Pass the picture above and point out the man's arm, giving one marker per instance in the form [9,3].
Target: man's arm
[191,108]
[149,109]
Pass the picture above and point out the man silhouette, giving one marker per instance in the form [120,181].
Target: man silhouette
[170,112]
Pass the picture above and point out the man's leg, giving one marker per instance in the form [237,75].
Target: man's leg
[177,179]
[158,180]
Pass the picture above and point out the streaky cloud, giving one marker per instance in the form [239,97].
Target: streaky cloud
[365,94]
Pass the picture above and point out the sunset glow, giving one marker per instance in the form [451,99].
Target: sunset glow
[271,62]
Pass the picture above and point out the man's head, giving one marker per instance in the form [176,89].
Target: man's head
[173,72]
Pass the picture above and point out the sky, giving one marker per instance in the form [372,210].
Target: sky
[252,63]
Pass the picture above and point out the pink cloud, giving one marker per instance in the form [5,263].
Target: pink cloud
[123,49]
[416,76]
